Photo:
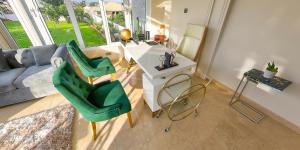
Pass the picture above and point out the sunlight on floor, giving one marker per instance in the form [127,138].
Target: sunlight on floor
[217,127]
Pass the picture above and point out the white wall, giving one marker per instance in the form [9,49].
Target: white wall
[204,12]
[158,12]
[255,32]
[197,14]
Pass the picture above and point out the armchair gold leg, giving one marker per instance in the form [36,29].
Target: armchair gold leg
[90,80]
[113,76]
[130,120]
[93,125]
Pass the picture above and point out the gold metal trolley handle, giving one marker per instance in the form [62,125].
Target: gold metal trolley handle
[184,95]
[168,85]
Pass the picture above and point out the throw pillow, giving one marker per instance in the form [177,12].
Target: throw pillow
[3,63]
[24,56]
[42,54]
[11,60]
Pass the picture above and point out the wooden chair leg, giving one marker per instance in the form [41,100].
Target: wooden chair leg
[130,120]
[113,76]
[90,80]
[93,125]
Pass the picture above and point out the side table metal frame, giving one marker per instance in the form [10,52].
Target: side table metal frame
[237,98]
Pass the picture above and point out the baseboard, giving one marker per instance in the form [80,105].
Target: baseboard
[264,110]
[201,75]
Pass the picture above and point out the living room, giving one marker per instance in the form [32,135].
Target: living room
[149,74]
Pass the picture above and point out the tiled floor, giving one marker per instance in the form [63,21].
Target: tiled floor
[217,127]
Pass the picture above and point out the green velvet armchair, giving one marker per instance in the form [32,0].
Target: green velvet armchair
[95,67]
[98,102]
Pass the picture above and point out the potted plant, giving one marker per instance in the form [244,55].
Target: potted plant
[271,70]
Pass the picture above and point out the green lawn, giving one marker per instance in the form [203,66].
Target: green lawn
[18,33]
[61,32]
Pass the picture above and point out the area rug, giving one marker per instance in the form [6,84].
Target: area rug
[49,129]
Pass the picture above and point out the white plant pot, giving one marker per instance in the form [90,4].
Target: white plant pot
[269,74]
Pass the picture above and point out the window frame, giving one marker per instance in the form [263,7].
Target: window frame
[37,30]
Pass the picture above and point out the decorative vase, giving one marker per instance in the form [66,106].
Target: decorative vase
[269,74]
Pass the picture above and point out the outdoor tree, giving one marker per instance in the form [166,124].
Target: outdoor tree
[79,11]
[53,2]
[118,18]
[64,12]
[54,9]
[4,9]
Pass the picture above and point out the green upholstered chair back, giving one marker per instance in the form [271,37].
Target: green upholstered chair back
[77,54]
[70,85]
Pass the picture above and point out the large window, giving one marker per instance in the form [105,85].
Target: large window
[88,19]
[13,25]
[90,23]
[116,20]
[57,19]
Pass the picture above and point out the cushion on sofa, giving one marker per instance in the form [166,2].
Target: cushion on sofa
[25,57]
[8,77]
[11,59]
[43,54]
[35,76]
[3,63]
[60,55]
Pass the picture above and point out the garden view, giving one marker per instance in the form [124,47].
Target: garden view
[60,27]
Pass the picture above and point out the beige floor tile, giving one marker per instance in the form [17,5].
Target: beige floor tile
[217,127]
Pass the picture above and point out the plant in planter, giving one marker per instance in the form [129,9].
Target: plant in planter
[271,70]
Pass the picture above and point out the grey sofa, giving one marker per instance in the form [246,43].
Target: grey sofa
[26,74]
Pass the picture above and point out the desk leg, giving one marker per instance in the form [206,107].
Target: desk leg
[156,114]
[130,64]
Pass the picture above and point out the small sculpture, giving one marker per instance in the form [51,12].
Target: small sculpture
[162,59]
[125,35]
[167,60]
[173,56]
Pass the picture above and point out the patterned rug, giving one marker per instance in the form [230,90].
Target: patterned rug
[49,129]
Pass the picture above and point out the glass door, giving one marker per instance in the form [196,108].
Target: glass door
[89,22]
[115,13]
[13,25]
[88,16]
[57,19]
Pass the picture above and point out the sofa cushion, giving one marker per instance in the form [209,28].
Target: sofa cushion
[43,54]
[3,63]
[35,76]
[11,59]
[25,57]
[61,54]
[8,77]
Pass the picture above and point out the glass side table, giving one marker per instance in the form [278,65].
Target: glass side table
[255,76]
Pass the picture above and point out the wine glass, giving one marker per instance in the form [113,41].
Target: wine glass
[173,54]
[162,58]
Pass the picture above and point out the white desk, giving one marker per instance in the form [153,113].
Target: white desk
[147,57]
